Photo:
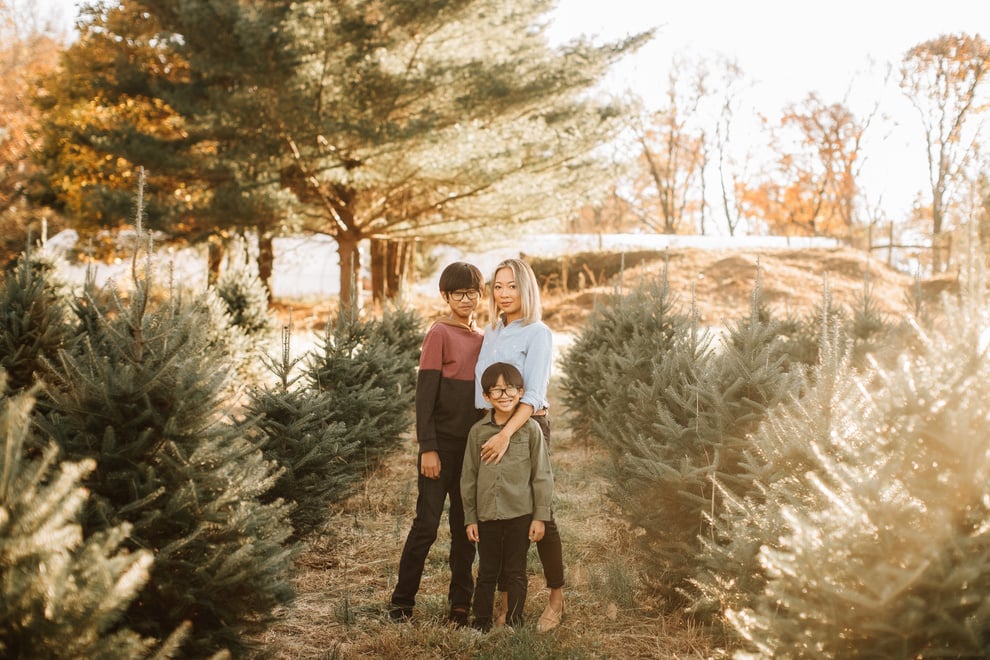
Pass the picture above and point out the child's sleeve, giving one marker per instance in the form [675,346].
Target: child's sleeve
[541,474]
[469,479]
[428,390]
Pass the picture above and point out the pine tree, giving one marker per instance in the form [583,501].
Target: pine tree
[61,596]
[619,328]
[447,116]
[868,524]
[316,453]
[245,295]
[144,395]
[750,376]
[35,323]
[369,373]
[868,326]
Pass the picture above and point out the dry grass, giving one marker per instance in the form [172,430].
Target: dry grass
[346,577]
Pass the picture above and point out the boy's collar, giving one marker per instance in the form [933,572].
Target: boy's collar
[491,419]
[457,324]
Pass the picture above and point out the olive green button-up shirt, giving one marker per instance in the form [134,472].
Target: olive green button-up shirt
[520,484]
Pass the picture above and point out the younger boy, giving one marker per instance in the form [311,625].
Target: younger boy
[444,414]
[507,503]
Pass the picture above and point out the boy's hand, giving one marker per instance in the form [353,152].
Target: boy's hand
[536,530]
[472,533]
[494,448]
[429,464]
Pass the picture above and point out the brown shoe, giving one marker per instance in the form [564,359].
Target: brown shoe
[550,618]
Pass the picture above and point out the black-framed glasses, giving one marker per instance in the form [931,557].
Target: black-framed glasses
[499,392]
[470,294]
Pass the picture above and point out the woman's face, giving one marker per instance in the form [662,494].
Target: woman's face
[506,293]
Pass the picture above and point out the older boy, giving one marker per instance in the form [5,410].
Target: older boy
[444,414]
[506,504]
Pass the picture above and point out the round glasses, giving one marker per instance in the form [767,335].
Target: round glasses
[470,294]
[499,392]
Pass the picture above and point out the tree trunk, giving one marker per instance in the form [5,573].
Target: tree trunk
[350,269]
[266,261]
[399,255]
[216,250]
[390,261]
[379,250]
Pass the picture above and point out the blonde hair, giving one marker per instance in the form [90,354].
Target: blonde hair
[529,292]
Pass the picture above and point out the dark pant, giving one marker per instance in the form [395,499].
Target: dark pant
[502,549]
[549,547]
[429,507]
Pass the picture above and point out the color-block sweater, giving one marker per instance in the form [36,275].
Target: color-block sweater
[445,408]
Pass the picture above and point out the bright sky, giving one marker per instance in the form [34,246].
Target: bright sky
[789,48]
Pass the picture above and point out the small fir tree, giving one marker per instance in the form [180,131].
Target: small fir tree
[35,323]
[61,596]
[245,295]
[729,568]
[298,432]
[868,326]
[144,395]
[647,317]
[368,375]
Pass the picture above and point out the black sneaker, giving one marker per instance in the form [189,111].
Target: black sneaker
[458,616]
[398,614]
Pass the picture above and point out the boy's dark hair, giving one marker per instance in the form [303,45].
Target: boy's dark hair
[461,275]
[509,374]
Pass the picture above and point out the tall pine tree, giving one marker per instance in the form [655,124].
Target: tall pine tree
[357,119]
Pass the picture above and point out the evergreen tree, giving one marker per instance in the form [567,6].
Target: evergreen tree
[144,395]
[245,296]
[316,453]
[867,525]
[60,596]
[632,327]
[868,326]
[368,372]
[675,408]
[35,323]
[384,119]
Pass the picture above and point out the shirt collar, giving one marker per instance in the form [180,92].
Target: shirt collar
[491,419]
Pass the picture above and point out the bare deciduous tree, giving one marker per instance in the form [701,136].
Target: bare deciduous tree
[944,79]
[672,151]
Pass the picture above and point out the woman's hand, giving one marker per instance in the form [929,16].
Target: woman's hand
[429,465]
[494,448]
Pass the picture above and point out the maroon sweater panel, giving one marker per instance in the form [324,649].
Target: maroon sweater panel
[445,408]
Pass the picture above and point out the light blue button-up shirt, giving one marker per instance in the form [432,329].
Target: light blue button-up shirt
[529,348]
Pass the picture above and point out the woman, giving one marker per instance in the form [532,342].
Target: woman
[518,336]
